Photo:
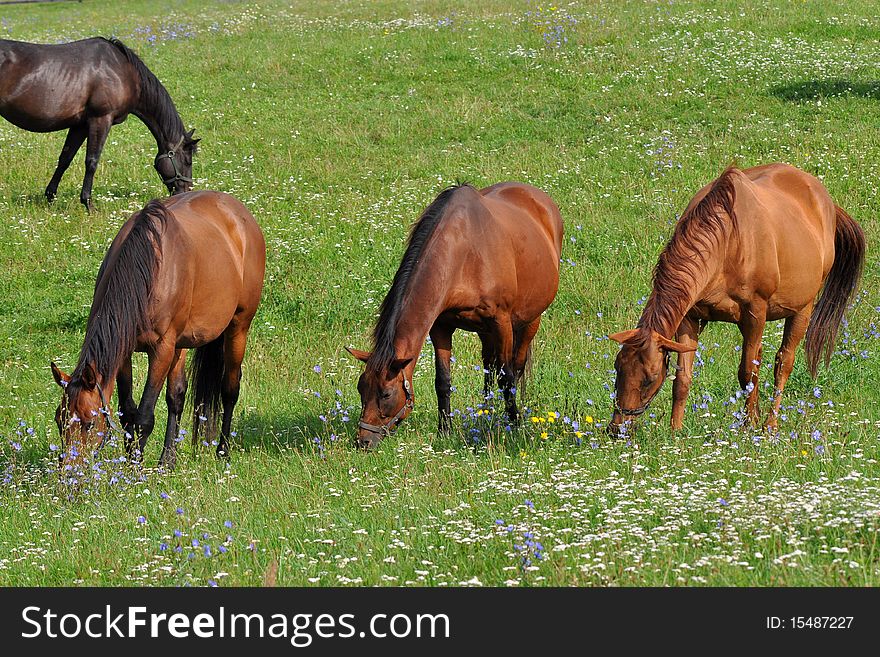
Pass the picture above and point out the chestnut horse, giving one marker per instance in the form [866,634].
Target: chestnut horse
[183,273]
[753,246]
[479,260]
[85,87]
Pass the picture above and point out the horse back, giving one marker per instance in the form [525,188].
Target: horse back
[212,268]
[503,243]
[782,247]
[47,87]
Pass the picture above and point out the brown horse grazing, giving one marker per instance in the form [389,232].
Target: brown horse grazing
[183,273]
[484,261]
[752,246]
[85,87]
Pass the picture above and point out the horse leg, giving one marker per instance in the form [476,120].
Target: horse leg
[490,364]
[175,394]
[522,345]
[126,403]
[688,334]
[98,129]
[795,328]
[235,340]
[75,138]
[441,338]
[506,373]
[752,328]
[161,359]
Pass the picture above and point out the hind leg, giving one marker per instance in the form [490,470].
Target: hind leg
[175,394]
[75,138]
[795,328]
[235,340]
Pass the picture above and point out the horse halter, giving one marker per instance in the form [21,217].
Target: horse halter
[636,412]
[386,429]
[172,156]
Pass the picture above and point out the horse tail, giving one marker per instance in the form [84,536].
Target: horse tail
[849,258]
[205,379]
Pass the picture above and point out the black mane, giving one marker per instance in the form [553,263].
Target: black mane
[154,97]
[389,312]
[122,294]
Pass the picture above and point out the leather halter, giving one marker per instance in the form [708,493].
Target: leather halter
[386,429]
[172,156]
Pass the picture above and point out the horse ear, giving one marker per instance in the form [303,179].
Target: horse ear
[60,377]
[399,363]
[672,345]
[189,138]
[623,336]
[362,356]
[89,377]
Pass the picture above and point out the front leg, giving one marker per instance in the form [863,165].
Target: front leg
[175,394]
[161,358]
[751,325]
[441,338]
[98,129]
[688,334]
[503,333]
[127,405]
[75,138]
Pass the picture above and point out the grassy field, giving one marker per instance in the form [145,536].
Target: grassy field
[336,123]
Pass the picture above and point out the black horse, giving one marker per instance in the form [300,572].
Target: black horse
[85,87]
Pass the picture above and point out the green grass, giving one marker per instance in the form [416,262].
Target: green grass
[337,123]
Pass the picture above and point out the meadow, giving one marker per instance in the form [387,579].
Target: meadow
[337,123]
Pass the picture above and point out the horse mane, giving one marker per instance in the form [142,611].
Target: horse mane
[697,232]
[154,95]
[122,294]
[389,312]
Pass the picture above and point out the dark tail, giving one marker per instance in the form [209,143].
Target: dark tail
[205,380]
[849,258]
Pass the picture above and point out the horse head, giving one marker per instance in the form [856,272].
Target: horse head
[641,366]
[174,165]
[386,398]
[81,417]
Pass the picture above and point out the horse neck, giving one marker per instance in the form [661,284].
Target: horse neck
[676,290]
[158,113]
[420,308]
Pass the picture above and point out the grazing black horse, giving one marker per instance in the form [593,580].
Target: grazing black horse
[85,87]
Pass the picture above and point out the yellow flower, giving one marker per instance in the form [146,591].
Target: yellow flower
[535,420]
[578,434]
[544,435]
[522,454]
[803,452]
[589,419]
